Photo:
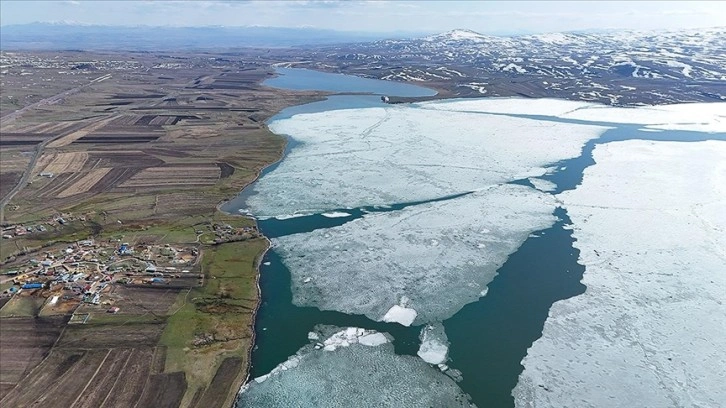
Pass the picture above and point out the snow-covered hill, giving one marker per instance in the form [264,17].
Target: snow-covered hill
[617,67]
[692,54]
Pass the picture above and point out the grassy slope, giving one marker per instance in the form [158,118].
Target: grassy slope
[221,308]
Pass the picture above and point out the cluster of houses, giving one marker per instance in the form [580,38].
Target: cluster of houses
[12,231]
[82,272]
[227,233]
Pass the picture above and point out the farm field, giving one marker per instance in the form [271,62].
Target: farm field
[141,151]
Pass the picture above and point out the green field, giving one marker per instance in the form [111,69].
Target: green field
[220,312]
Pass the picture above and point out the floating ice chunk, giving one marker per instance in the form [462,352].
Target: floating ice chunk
[401,315]
[434,347]
[542,185]
[368,371]
[351,335]
[375,339]
[289,216]
[367,265]
[335,214]
[649,222]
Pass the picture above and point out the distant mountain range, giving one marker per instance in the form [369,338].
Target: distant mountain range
[684,54]
[614,67]
[63,35]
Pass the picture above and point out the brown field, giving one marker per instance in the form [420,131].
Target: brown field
[95,171]
[8,180]
[149,152]
[123,158]
[21,139]
[114,372]
[58,163]
[175,176]
[135,301]
[222,382]
[12,160]
[73,136]
[23,344]
[86,182]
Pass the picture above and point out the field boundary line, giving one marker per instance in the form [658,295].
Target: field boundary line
[115,382]
[92,377]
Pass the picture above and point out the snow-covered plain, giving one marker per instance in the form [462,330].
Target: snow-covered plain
[650,331]
[352,367]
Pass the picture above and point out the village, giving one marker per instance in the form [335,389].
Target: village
[85,276]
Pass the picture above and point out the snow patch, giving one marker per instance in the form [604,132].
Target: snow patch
[336,214]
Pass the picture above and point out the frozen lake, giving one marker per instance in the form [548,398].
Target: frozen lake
[448,213]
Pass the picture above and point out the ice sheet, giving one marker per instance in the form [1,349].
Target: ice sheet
[697,117]
[433,254]
[650,223]
[365,372]
[521,106]
[380,156]
[433,258]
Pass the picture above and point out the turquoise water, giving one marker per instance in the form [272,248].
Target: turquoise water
[306,79]
[488,338]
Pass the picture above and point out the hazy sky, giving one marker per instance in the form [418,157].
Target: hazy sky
[381,16]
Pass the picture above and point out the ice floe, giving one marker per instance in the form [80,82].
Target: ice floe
[336,214]
[542,185]
[650,222]
[433,253]
[434,347]
[385,266]
[400,314]
[697,117]
[356,367]
[380,156]
[519,106]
